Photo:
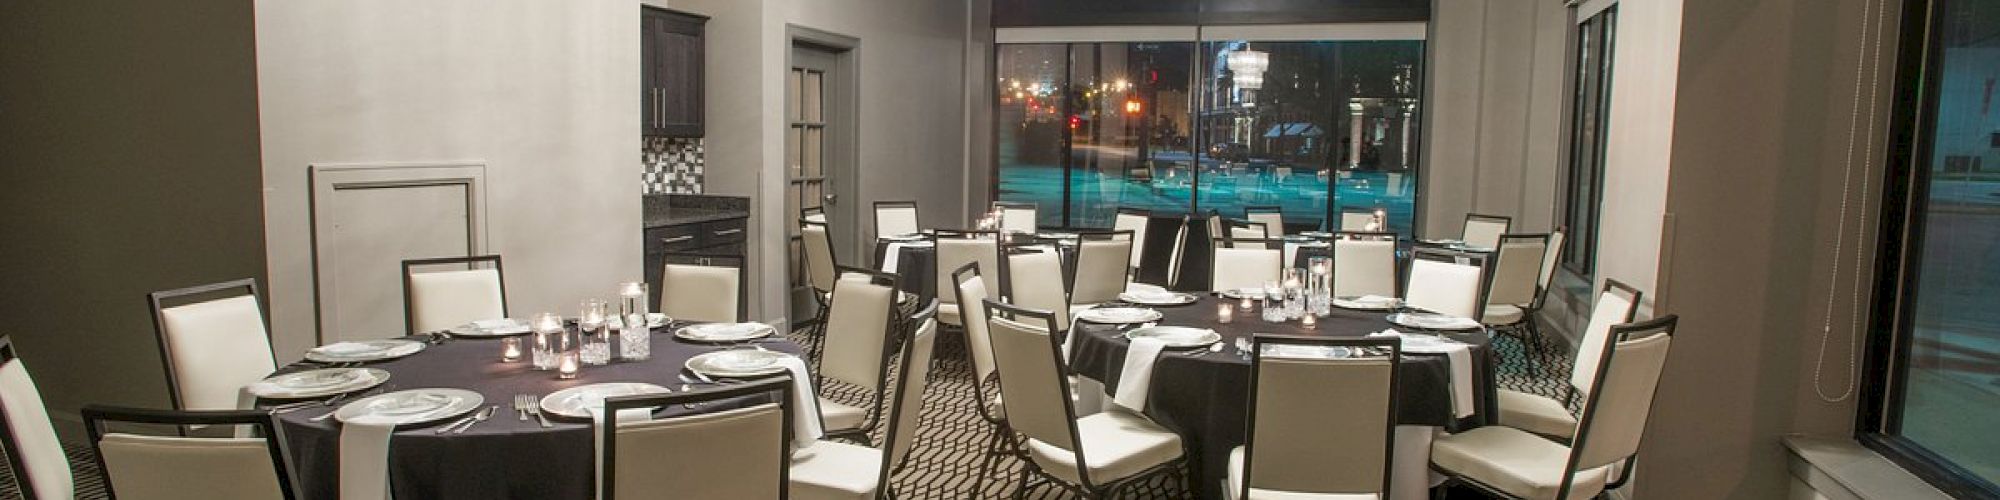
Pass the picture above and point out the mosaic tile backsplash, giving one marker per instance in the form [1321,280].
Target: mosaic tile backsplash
[673,165]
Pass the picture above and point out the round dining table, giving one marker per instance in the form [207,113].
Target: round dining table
[504,457]
[1204,395]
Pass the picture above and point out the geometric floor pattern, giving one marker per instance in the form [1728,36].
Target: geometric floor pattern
[951,435]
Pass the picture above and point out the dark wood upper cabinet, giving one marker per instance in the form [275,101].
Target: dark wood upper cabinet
[672,55]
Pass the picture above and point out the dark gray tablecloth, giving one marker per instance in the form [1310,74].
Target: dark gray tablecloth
[1206,398]
[503,457]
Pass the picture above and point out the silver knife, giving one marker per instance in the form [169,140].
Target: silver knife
[483,415]
[448,427]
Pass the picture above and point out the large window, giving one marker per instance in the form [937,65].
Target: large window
[1581,196]
[1940,351]
[1180,127]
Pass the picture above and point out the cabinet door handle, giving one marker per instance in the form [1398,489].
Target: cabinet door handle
[654,107]
[677,239]
[727,232]
[660,103]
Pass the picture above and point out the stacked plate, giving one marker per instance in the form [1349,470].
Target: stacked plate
[364,351]
[1367,303]
[490,328]
[1237,293]
[1306,351]
[737,363]
[415,406]
[1176,337]
[579,401]
[1156,297]
[724,332]
[317,383]
[1118,315]
[904,237]
[653,320]
[1433,321]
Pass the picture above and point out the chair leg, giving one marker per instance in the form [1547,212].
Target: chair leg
[1543,350]
[986,463]
[1021,487]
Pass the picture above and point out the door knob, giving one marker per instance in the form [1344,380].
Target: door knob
[829,197]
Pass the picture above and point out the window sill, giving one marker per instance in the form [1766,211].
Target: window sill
[1840,468]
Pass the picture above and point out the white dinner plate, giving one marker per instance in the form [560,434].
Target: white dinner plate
[1238,293]
[1160,298]
[653,320]
[364,351]
[1118,315]
[576,402]
[1433,321]
[724,332]
[1177,337]
[316,383]
[1367,303]
[904,237]
[1428,344]
[1297,351]
[502,327]
[414,406]
[737,363]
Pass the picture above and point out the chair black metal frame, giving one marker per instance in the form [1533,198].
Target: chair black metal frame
[1529,311]
[1394,350]
[741,263]
[779,384]
[1441,254]
[1337,223]
[1109,234]
[96,420]
[1396,262]
[1523,329]
[1471,217]
[877,213]
[17,463]
[158,302]
[1003,206]
[816,334]
[1001,441]
[892,339]
[1249,210]
[1009,249]
[1087,488]
[409,313]
[1663,325]
[1138,243]
[1177,257]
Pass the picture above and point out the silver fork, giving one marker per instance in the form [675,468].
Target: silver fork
[535,408]
[521,406]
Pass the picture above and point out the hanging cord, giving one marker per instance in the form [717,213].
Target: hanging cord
[1869,57]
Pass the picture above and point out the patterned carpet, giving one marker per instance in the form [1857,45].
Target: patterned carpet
[951,435]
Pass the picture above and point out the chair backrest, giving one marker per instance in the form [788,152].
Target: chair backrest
[908,401]
[748,446]
[858,328]
[1364,264]
[1032,374]
[1035,281]
[819,255]
[1616,304]
[955,249]
[1251,263]
[1100,273]
[1517,264]
[151,466]
[439,300]
[968,289]
[1179,253]
[1135,221]
[693,287]
[1273,219]
[1447,282]
[1321,424]
[1016,217]
[211,348]
[813,214]
[41,470]
[895,218]
[1356,219]
[1550,259]
[1614,419]
[1240,233]
[1484,231]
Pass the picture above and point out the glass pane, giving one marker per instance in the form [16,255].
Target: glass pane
[792,151]
[1580,198]
[1311,127]
[1030,121]
[811,151]
[809,96]
[1130,143]
[1952,394]
[792,82]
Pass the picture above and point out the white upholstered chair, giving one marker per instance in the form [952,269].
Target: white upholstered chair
[955,249]
[1447,282]
[1483,231]
[1272,217]
[1016,217]
[41,470]
[1100,273]
[438,300]
[1516,266]
[895,218]
[707,288]
[1135,221]
[859,328]
[744,452]
[820,271]
[1616,304]
[1179,253]
[1035,280]
[1518,464]
[1118,447]
[211,347]
[1354,219]
[190,468]
[1245,263]
[1247,235]
[1320,427]
[1364,264]
[841,471]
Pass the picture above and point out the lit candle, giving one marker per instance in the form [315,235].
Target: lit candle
[1225,313]
[567,368]
[1247,304]
[1307,322]
[510,349]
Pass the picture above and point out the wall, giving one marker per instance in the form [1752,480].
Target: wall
[123,126]
[1497,89]
[672,165]
[543,92]
[1767,93]
[912,141]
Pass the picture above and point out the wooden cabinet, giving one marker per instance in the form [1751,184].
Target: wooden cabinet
[672,59]
[718,243]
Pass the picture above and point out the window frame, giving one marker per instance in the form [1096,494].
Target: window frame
[1601,20]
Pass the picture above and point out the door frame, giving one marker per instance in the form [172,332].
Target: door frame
[841,145]
[327,179]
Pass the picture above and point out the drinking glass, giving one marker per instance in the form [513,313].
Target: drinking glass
[548,328]
[635,340]
[596,348]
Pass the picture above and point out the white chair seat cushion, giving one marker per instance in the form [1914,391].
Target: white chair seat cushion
[1537,414]
[1236,486]
[840,416]
[1513,461]
[836,470]
[1502,314]
[1118,444]
[948,314]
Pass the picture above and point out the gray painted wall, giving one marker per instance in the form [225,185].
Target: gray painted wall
[123,125]
[1497,89]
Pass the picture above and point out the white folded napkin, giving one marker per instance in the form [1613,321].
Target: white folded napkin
[1450,322]
[1137,376]
[805,405]
[893,253]
[364,457]
[345,348]
[1460,356]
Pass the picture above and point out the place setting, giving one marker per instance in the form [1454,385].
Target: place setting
[364,351]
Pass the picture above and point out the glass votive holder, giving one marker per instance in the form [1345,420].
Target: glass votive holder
[1247,304]
[546,342]
[1307,322]
[510,349]
[567,368]
[1225,313]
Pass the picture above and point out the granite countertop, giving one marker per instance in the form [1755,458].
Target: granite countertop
[678,209]
[681,216]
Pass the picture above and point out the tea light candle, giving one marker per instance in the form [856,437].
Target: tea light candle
[510,349]
[566,369]
[1225,313]
[1307,322]
[1247,304]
